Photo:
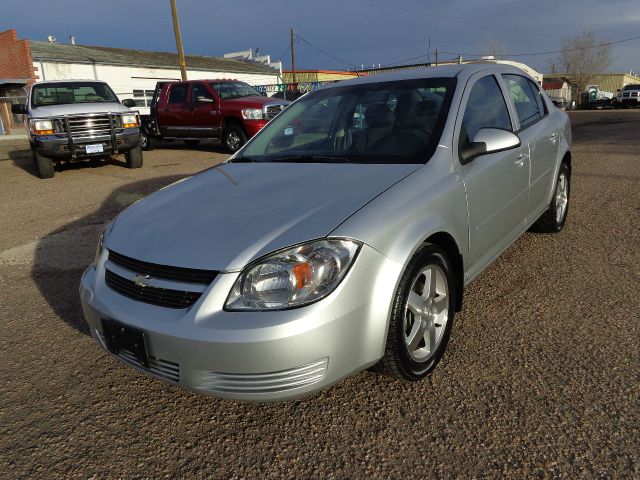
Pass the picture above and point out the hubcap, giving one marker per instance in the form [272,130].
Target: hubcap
[233,141]
[562,197]
[426,313]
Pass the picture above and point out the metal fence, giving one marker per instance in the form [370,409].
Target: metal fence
[289,91]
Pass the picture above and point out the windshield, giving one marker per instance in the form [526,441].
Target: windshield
[386,122]
[235,90]
[71,92]
[631,87]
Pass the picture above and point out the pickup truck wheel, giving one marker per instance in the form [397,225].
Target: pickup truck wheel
[191,143]
[44,164]
[554,217]
[145,140]
[134,157]
[422,316]
[234,138]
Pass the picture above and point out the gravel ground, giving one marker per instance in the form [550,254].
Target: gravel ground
[541,378]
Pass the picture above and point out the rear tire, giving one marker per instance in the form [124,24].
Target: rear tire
[134,157]
[233,138]
[44,164]
[145,140]
[554,217]
[421,317]
[191,143]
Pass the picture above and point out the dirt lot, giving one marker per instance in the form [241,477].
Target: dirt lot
[541,379]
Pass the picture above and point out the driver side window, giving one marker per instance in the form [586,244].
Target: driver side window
[485,108]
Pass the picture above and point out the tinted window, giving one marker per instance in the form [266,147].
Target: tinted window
[178,93]
[485,108]
[227,90]
[527,101]
[200,91]
[385,122]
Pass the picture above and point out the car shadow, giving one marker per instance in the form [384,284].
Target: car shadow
[23,159]
[205,145]
[62,256]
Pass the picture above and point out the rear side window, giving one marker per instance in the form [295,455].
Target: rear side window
[485,108]
[527,99]
[178,93]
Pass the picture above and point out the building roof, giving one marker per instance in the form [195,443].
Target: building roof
[60,52]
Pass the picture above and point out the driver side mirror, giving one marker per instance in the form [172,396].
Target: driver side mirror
[129,102]
[19,108]
[488,140]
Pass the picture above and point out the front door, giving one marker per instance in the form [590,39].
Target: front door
[497,184]
[206,111]
[174,115]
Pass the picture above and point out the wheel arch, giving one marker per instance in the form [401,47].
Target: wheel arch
[447,243]
[231,120]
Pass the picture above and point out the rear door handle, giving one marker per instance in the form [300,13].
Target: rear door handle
[521,159]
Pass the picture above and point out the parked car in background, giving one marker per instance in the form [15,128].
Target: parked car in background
[629,96]
[71,120]
[340,237]
[227,110]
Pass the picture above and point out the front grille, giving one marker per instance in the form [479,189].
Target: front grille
[264,382]
[163,297]
[181,274]
[160,368]
[87,126]
[273,110]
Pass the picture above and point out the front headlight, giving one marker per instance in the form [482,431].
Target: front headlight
[129,120]
[252,114]
[42,127]
[99,248]
[293,277]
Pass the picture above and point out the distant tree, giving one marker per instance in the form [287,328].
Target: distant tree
[491,46]
[582,57]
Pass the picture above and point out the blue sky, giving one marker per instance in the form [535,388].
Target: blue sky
[354,32]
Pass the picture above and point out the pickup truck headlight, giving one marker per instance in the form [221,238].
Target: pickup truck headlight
[293,277]
[129,120]
[42,127]
[252,114]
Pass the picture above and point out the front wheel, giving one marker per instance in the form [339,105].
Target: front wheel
[422,316]
[134,157]
[554,217]
[44,164]
[234,138]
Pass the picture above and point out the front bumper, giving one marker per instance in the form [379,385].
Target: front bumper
[251,127]
[60,147]
[256,356]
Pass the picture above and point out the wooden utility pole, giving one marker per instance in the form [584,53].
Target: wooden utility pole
[176,30]
[293,58]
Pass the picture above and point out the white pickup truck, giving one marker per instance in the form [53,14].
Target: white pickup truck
[70,120]
[629,96]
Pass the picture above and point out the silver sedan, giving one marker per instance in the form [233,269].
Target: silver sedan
[341,237]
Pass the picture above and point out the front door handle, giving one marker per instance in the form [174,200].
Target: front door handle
[521,159]
[553,137]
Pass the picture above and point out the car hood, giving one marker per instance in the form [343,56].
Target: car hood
[77,108]
[229,215]
[254,102]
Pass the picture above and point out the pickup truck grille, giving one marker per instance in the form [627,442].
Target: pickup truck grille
[88,126]
[274,109]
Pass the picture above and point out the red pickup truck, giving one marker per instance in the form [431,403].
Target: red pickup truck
[227,110]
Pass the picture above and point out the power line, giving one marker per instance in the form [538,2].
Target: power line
[605,44]
[462,22]
[349,64]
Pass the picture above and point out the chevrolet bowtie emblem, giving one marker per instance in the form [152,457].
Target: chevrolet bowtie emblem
[142,280]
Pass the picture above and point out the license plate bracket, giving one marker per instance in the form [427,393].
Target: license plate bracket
[94,148]
[119,336]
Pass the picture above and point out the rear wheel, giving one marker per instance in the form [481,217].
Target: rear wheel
[192,143]
[134,157]
[422,316]
[145,140]
[44,164]
[554,218]
[233,138]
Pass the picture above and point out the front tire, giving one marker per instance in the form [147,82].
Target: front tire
[44,164]
[554,217]
[234,138]
[134,157]
[422,316]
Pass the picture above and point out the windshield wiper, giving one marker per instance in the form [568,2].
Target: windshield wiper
[312,159]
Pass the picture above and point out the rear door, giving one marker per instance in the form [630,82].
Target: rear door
[174,111]
[536,129]
[205,107]
[497,184]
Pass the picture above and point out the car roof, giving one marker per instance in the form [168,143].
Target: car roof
[460,71]
[46,82]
